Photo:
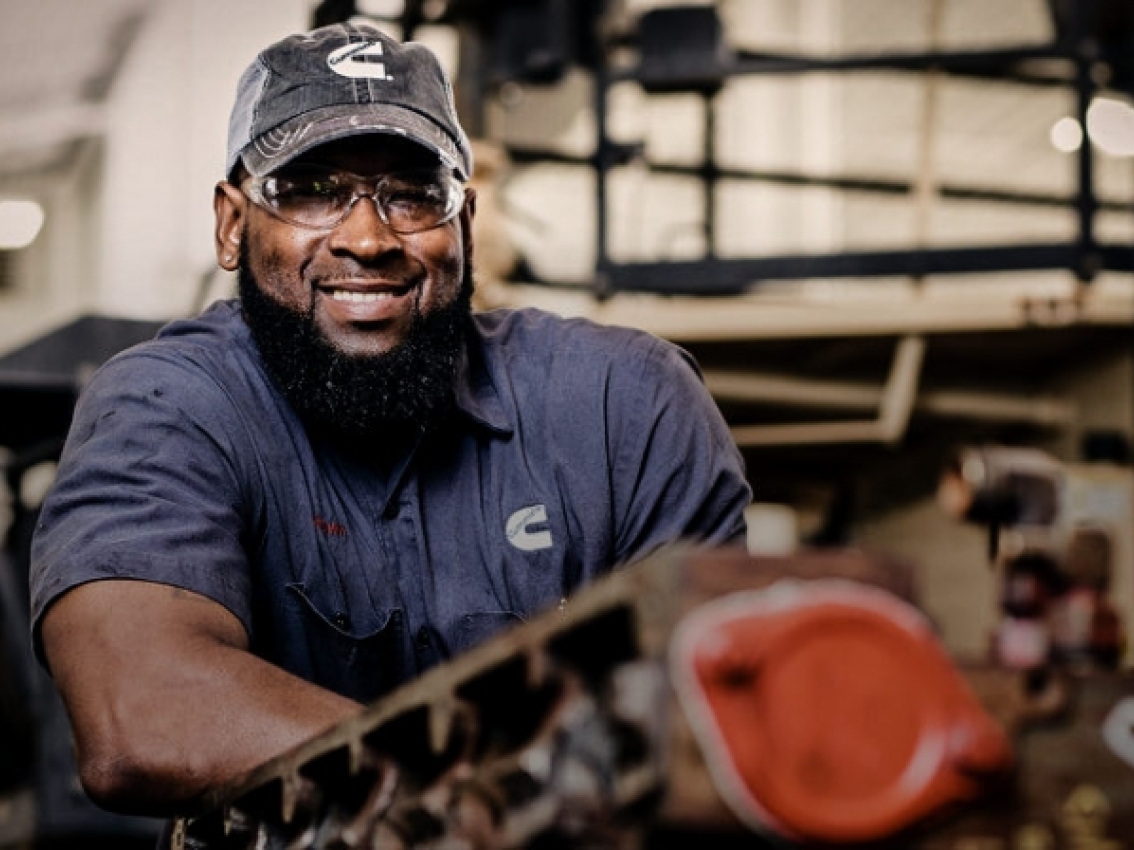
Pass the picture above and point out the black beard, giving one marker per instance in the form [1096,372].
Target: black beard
[356,398]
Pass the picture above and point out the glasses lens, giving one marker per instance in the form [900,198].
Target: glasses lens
[410,201]
[314,198]
[418,200]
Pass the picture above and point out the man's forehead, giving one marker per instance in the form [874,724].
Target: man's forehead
[370,153]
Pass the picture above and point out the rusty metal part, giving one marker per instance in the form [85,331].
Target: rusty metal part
[565,732]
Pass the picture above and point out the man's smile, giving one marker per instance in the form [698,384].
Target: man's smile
[358,301]
[359,297]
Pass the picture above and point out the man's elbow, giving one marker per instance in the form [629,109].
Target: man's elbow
[113,783]
[132,777]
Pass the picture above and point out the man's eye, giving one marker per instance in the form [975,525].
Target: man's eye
[314,189]
[414,196]
[291,191]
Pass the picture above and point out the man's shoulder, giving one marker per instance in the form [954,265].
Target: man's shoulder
[189,359]
[536,334]
[220,328]
[208,339]
[537,358]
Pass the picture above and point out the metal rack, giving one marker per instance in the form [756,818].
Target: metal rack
[681,49]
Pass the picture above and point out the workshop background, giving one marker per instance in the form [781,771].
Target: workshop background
[888,230]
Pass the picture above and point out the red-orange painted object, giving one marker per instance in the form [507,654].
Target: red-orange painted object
[829,712]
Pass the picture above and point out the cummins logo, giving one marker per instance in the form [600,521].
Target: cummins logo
[359,61]
[522,532]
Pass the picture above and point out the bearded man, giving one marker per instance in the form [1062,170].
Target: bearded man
[285,507]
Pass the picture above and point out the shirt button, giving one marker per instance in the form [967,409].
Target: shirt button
[423,638]
[340,621]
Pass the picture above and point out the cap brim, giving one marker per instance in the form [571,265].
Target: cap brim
[281,145]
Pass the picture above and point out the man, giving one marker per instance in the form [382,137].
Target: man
[294,502]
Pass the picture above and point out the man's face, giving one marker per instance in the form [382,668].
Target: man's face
[360,282]
[361,328]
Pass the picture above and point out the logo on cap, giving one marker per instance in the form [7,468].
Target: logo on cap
[359,61]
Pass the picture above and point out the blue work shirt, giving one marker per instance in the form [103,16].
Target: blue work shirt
[575,448]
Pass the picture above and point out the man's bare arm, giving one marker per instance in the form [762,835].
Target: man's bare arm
[165,698]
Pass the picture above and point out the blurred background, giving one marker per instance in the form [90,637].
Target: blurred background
[887,229]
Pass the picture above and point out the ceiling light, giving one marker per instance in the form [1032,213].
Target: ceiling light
[1110,124]
[1066,135]
[20,223]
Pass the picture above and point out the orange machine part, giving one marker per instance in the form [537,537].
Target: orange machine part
[828,711]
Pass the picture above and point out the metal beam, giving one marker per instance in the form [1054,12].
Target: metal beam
[734,276]
[895,404]
[848,183]
[1002,64]
[760,388]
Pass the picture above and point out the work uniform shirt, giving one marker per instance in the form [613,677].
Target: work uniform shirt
[574,448]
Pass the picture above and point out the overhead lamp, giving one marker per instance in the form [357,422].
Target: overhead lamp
[20,223]
[1110,125]
[1066,135]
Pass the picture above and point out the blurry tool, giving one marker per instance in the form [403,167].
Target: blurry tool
[1086,629]
[1000,487]
[1054,596]
[1031,582]
[827,711]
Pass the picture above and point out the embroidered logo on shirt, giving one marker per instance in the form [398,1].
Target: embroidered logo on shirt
[522,532]
[334,529]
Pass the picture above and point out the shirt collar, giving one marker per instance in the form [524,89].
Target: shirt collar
[476,394]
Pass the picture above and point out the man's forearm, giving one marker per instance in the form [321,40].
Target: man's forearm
[166,701]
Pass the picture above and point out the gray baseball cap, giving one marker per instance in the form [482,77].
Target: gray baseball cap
[338,81]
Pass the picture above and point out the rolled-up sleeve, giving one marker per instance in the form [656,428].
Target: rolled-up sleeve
[145,490]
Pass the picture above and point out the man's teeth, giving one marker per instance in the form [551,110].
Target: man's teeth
[359,297]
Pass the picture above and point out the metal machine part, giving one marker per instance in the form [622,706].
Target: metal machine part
[828,711]
[1002,485]
[699,695]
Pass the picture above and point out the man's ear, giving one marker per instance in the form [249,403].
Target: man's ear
[229,208]
[468,212]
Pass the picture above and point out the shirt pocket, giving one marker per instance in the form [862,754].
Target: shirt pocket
[361,665]
[480,626]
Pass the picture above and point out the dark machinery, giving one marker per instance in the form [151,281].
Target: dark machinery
[708,696]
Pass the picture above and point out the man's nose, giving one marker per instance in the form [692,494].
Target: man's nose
[362,232]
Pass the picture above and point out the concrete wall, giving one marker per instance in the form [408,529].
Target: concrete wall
[129,220]
[168,117]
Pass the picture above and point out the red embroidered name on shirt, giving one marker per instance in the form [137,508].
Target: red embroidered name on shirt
[327,527]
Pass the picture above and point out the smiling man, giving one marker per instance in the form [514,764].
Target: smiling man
[296,501]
